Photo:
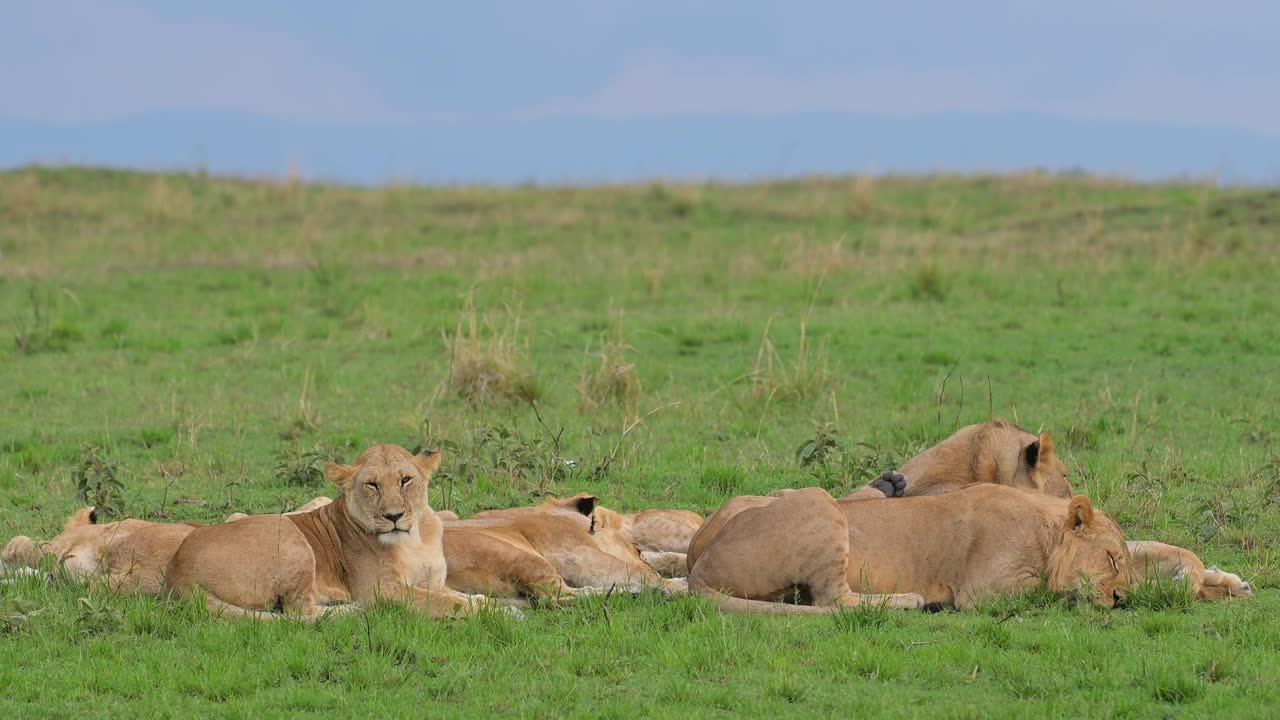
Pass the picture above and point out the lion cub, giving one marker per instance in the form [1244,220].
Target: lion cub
[379,539]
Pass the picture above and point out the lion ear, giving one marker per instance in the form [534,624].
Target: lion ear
[586,504]
[582,503]
[83,516]
[428,461]
[1046,445]
[1032,453]
[1079,513]
[343,475]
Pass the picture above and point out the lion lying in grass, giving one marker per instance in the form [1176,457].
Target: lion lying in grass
[1001,453]
[995,452]
[558,549]
[380,539]
[561,548]
[759,552]
[128,555]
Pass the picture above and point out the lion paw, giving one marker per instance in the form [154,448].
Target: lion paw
[892,484]
[909,601]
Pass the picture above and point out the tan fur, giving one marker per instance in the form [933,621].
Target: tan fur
[1156,559]
[994,452]
[127,555]
[661,530]
[379,539]
[982,541]
[661,535]
[557,549]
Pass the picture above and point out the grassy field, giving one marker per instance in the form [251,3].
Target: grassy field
[186,346]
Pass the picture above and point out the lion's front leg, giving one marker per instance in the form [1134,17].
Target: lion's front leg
[446,603]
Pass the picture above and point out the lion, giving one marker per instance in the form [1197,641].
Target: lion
[491,552]
[995,452]
[935,551]
[1156,559]
[553,551]
[1001,453]
[379,539]
[129,555]
[661,535]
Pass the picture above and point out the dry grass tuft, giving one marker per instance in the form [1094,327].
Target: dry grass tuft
[615,379]
[862,199]
[805,379]
[167,202]
[22,201]
[487,360]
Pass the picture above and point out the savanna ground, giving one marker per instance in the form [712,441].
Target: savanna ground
[180,347]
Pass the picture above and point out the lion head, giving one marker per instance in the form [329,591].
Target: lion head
[385,491]
[1091,552]
[996,452]
[74,547]
[1044,470]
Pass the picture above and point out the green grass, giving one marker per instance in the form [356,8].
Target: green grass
[216,341]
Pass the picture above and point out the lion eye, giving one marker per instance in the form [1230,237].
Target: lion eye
[405,480]
[371,486]
[1114,565]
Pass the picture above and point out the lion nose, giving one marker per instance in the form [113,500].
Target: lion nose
[393,517]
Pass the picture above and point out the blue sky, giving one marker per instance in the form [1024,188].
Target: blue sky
[441,91]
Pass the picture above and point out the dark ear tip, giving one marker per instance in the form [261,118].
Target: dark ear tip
[1033,453]
[586,505]
[93,516]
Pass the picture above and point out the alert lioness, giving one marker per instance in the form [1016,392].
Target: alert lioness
[379,539]
[947,550]
[559,548]
[128,554]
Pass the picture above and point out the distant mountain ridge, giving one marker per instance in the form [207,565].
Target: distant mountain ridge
[583,150]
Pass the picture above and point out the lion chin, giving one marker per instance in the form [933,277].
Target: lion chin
[394,537]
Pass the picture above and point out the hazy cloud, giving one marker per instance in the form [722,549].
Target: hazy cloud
[81,62]
[665,88]
[661,88]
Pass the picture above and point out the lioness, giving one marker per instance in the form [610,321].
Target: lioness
[995,452]
[662,536]
[1152,558]
[379,539]
[1001,453]
[951,550]
[558,549]
[128,554]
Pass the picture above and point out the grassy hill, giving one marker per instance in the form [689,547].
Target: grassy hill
[214,341]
